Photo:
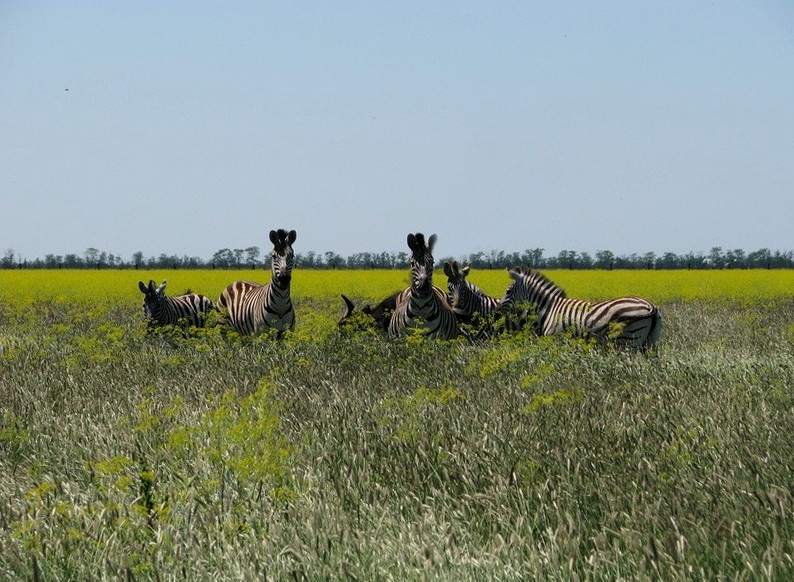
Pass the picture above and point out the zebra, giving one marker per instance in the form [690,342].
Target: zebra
[422,301]
[630,321]
[381,313]
[190,308]
[250,307]
[465,298]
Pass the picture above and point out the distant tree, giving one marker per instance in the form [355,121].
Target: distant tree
[735,259]
[8,261]
[669,260]
[137,259]
[584,261]
[72,261]
[566,259]
[760,258]
[252,256]
[91,256]
[535,258]
[604,259]
[333,260]
[238,256]
[716,259]
[223,258]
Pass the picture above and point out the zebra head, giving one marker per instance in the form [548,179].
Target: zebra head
[457,287]
[421,261]
[283,255]
[153,297]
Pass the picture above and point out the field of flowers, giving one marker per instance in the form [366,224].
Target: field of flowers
[341,454]
[22,287]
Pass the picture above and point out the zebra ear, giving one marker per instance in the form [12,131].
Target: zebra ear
[144,289]
[161,288]
[411,241]
[466,270]
[448,270]
[514,273]
[291,236]
[273,237]
[151,286]
[431,242]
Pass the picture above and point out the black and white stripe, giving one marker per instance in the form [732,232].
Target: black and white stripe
[466,299]
[250,307]
[630,321]
[422,304]
[189,309]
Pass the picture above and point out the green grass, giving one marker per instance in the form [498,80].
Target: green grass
[346,455]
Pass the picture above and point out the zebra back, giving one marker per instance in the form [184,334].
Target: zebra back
[630,321]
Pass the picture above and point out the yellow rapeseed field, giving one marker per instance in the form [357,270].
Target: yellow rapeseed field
[21,287]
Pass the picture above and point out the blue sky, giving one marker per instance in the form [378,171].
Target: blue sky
[191,126]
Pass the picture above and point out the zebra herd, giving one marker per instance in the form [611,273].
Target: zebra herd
[251,308]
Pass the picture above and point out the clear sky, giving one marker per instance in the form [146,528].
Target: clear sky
[192,126]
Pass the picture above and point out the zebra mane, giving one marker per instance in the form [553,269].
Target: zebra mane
[473,288]
[535,279]
[537,276]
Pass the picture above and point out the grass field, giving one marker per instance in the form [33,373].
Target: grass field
[328,454]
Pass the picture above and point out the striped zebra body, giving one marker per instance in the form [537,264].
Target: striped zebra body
[429,310]
[466,299]
[188,309]
[251,308]
[630,321]
[422,304]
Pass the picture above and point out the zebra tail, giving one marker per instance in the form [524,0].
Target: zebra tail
[348,310]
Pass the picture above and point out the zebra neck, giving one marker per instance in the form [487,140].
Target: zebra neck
[278,298]
[421,301]
[544,308]
[165,310]
[476,298]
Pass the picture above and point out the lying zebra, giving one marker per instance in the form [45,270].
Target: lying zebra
[466,299]
[629,321]
[421,302]
[190,309]
[381,313]
[423,305]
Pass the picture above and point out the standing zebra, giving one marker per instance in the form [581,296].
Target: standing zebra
[422,303]
[190,308]
[629,321]
[251,308]
[465,298]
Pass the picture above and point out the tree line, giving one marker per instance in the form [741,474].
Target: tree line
[252,258]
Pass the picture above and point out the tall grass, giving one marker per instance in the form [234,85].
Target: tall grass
[345,455]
